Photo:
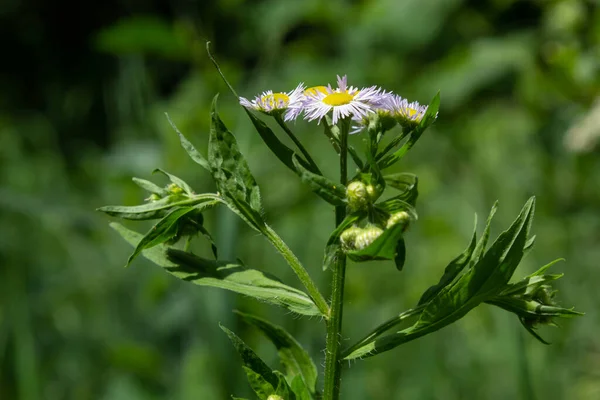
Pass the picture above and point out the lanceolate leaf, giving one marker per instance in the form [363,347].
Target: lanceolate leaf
[153,210]
[333,193]
[254,363]
[280,150]
[295,359]
[189,147]
[480,283]
[407,184]
[261,387]
[150,187]
[452,270]
[229,167]
[229,276]
[300,389]
[400,257]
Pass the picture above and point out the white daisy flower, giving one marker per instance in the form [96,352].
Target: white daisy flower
[344,101]
[270,103]
[408,114]
[381,112]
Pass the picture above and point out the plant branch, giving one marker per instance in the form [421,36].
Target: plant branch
[333,367]
[299,270]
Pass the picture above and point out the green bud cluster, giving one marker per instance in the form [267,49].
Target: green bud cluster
[356,238]
[360,196]
[401,217]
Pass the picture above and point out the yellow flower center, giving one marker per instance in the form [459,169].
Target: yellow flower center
[275,100]
[411,112]
[338,99]
[315,90]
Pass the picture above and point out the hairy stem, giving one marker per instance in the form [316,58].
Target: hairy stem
[300,271]
[333,366]
[303,150]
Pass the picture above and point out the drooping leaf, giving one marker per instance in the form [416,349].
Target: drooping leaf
[177,181]
[480,283]
[228,276]
[150,187]
[255,364]
[400,257]
[481,245]
[283,388]
[333,193]
[394,205]
[295,359]
[194,154]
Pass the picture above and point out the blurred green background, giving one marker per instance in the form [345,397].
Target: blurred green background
[84,87]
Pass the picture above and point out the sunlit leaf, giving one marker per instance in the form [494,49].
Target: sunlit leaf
[330,191]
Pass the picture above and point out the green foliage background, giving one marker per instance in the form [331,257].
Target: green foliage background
[82,110]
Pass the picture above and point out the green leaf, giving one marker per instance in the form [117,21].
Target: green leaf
[230,169]
[259,385]
[394,205]
[295,359]
[300,390]
[280,150]
[150,187]
[164,230]
[152,210]
[480,283]
[177,181]
[481,245]
[189,147]
[328,190]
[428,119]
[224,275]
[332,248]
[254,363]
[382,248]
[400,257]
[407,184]
[283,389]
[452,270]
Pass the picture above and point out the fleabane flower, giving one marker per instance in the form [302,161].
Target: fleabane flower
[407,114]
[381,118]
[344,101]
[270,103]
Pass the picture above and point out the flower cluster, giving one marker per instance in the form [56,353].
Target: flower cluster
[341,102]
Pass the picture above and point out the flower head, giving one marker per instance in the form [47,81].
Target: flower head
[270,103]
[344,101]
[407,114]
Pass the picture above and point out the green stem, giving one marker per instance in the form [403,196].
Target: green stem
[389,324]
[303,150]
[300,271]
[333,366]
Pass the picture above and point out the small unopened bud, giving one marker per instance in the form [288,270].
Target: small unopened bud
[372,193]
[348,237]
[545,295]
[153,197]
[275,397]
[401,217]
[358,195]
[174,189]
[366,237]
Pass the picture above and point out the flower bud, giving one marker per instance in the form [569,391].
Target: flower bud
[153,197]
[366,237]
[348,237]
[401,217]
[174,189]
[274,397]
[358,195]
